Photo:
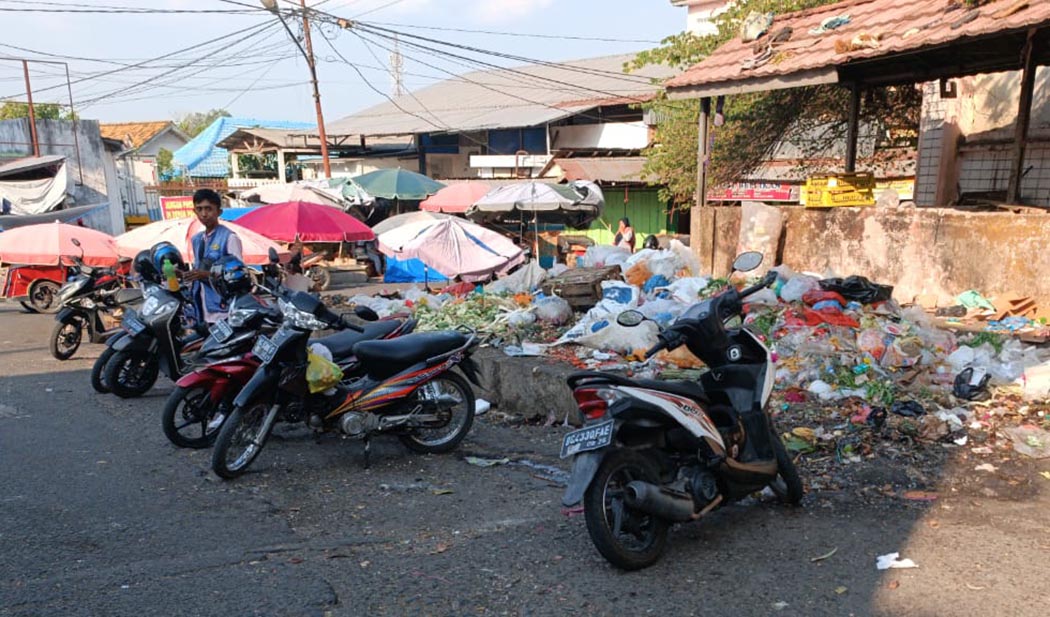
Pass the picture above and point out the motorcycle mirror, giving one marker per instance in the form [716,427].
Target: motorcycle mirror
[366,313]
[75,242]
[746,262]
[272,254]
[630,319]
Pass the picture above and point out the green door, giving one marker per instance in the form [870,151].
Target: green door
[647,213]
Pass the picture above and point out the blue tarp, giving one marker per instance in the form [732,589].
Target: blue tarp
[232,214]
[201,158]
[409,271]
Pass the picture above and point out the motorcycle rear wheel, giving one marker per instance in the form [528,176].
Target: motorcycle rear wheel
[187,418]
[446,437]
[242,438]
[66,337]
[628,539]
[98,371]
[130,374]
[788,485]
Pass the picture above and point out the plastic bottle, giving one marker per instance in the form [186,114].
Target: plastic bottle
[169,273]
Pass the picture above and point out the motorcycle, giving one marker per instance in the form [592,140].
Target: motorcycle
[654,453]
[407,388]
[202,399]
[91,298]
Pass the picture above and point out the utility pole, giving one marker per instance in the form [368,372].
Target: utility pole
[397,69]
[32,110]
[317,94]
[308,53]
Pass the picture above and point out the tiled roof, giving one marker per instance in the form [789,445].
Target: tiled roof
[133,134]
[900,27]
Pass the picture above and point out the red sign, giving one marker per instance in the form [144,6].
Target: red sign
[176,207]
[755,191]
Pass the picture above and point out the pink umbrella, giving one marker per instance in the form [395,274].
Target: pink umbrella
[306,221]
[179,232]
[455,198]
[50,244]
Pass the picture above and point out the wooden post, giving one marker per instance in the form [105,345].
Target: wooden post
[281,170]
[32,111]
[1024,118]
[853,127]
[702,153]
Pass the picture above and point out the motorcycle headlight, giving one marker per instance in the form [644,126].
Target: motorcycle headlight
[299,319]
[238,317]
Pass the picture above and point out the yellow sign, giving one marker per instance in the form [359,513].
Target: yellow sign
[176,207]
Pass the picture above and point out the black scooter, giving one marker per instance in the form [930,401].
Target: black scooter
[654,453]
[89,299]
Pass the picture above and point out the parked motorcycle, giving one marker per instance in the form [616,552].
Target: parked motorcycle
[654,453]
[89,300]
[407,388]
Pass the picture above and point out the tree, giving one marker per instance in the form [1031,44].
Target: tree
[755,124]
[12,110]
[165,164]
[193,123]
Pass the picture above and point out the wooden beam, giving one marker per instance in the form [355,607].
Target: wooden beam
[853,127]
[1024,119]
[702,154]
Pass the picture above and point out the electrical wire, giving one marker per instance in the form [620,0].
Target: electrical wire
[62,7]
[531,35]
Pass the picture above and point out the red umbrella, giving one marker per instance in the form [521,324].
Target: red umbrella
[306,221]
[455,198]
[48,243]
[254,247]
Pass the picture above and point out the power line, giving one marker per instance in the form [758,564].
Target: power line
[519,34]
[62,7]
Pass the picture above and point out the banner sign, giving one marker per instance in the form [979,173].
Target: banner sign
[176,207]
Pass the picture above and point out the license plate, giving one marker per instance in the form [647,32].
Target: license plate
[588,438]
[264,349]
[221,331]
[132,324]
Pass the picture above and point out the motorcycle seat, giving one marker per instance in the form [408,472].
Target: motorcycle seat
[128,296]
[342,344]
[689,389]
[392,355]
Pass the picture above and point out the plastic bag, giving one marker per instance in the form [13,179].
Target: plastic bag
[858,288]
[638,274]
[762,297]
[620,292]
[520,318]
[321,372]
[553,309]
[797,286]
[685,256]
[598,256]
[665,264]
[688,290]
[526,278]
[621,339]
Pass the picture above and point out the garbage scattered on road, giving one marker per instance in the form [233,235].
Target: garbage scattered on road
[891,561]
[486,462]
[825,555]
[1030,440]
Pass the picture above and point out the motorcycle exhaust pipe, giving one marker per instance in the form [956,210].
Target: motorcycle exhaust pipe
[650,499]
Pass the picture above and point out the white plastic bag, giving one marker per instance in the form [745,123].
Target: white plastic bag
[621,293]
[762,297]
[794,289]
[597,256]
[686,256]
[526,278]
[521,317]
[553,309]
[621,339]
[687,290]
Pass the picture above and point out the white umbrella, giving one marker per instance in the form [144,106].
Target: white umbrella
[453,247]
[393,222]
[296,191]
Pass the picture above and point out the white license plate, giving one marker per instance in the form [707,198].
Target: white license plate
[221,331]
[264,349]
[588,438]
[132,324]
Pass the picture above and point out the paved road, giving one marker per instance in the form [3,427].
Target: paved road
[99,515]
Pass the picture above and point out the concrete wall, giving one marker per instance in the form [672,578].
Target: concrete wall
[917,250]
[89,178]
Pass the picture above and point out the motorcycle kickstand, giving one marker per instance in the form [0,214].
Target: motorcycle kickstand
[368,448]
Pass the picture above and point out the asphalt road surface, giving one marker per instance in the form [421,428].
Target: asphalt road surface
[100,515]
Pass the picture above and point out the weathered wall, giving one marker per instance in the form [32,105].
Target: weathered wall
[918,250]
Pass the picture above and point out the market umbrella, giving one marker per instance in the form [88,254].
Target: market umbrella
[349,191]
[49,244]
[309,222]
[455,198]
[296,191]
[575,204]
[454,248]
[254,247]
[407,218]
[399,184]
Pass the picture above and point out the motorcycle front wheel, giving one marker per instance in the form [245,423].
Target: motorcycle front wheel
[242,438]
[66,337]
[451,398]
[627,538]
[788,485]
[98,371]
[131,374]
[189,419]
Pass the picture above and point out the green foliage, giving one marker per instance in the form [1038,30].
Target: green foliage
[165,166]
[881,391]
[757,123]
[12,110]
[994,339]
[193,123]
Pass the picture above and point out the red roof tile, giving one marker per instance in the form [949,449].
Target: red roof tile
[925,22]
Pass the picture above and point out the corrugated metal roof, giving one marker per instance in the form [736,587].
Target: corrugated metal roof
[600,169]
[900,27]
[202,158]
[498,98]
[29,163]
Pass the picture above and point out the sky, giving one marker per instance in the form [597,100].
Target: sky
[260,73]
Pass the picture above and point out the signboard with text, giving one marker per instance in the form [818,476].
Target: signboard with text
[176,207]
[755,191]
